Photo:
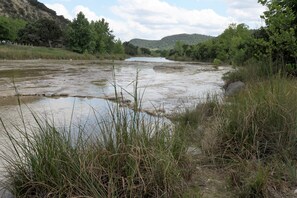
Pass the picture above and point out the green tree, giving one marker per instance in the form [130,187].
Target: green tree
[130,49]
[10,27]
[178,47]
[281,21]
[4,32]
[80,35]
[103,38]
[43,32]
[118,47]
[239,48]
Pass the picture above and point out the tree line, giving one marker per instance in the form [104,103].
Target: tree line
[80,35]
[276,43]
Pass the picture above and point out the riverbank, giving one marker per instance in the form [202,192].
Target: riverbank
[20,52]
[247,143]
[226,147]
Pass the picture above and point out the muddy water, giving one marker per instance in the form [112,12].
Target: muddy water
[57,88]
[163,85]
[60,89]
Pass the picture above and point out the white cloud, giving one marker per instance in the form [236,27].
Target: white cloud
[89,14]
[155,19]
[60,10]
[247,11]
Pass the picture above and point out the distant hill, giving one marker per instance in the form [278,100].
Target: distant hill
[169,41]
[29,10]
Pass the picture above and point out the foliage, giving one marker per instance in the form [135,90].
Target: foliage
[43,32]
[133,50]
[95,37]
[103,38]
[4,32]
[281,19]
[79,35]
[118,47]
[217,62]
[130,49]
[9,28]
[232,46]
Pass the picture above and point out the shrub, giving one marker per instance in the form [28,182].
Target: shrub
[217,62]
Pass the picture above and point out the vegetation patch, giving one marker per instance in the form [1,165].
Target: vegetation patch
[29,52]
[129,155]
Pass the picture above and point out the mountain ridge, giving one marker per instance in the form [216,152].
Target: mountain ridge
[29,10]
[168,42]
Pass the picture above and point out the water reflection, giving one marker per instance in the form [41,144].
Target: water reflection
[149,59]
[80,114]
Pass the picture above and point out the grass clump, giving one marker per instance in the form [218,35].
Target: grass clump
[257,138]
[251,137]
[128,156]
[261,122]
[253,70]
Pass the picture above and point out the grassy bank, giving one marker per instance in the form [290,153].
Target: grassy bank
[252,136]
[16,52]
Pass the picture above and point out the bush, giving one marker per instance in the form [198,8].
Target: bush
[217,62]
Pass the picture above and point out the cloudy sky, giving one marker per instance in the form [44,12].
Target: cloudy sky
[154,19]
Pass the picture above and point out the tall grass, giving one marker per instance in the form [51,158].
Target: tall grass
[261,121]
[257,138]
[253,70]
[251,136]
[127,157]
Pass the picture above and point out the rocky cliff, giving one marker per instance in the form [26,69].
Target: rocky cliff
[29,10]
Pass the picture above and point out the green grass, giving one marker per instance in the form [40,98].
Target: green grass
[17,52]
[128,156]
[261,121]
[251,136]
[258,128]
[12,52]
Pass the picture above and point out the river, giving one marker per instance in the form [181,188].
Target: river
[53,86]
[59,89]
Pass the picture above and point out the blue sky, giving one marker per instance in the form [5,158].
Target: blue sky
[154,19]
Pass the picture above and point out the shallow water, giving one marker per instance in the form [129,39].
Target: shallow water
[74,91]
[60,89]
[149,59]
[161,85]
